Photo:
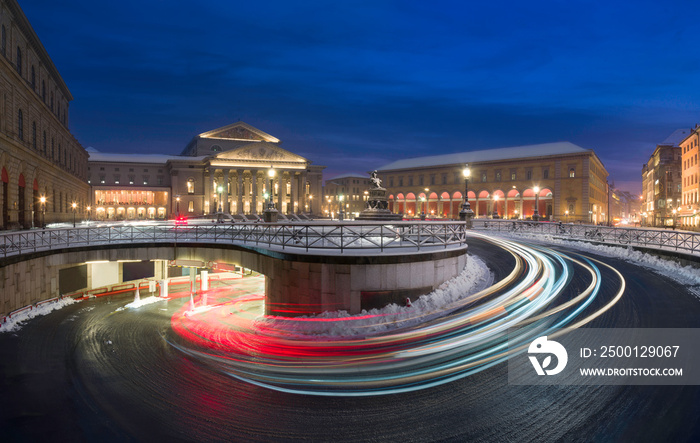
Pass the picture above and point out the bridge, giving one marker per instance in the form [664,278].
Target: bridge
[309,267]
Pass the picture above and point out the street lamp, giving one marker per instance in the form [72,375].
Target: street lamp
[422,208]
[590,216]
[495,207]
[270,213]
[42,199]
[466,213]
[536,214]
[74,205]
[177,199]
[516,213]
[271,175]
[567,215]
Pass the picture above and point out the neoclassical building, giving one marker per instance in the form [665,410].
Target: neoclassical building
[225,170]
[662,181]
[570,183]
[43,168]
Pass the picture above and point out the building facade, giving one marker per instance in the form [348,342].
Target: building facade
[504,183]
[689,211]
[43,167]
[349,191]
[661,182]
[229,170]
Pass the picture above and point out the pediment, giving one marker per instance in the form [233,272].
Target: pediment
[261,152]
[239,131]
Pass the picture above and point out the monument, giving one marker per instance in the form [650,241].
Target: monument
[377,204]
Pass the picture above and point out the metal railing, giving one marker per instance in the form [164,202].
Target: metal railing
[316,237]
[655,238]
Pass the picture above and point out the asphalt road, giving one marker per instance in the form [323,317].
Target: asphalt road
[91,373]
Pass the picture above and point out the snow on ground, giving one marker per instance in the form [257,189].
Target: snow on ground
[685,275]
[449,296]
[17,321]
[142,302]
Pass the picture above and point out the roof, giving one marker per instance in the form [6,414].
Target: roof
[676,138]
[349,175]
[136,158]
[545,149]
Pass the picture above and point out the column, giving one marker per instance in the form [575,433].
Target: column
[207,191]
[295,192]
[521,206]
[280,189]
[224,194]
[254,205]
[304,200]
[239,191]
[505,206]
[212,192]
[246,193]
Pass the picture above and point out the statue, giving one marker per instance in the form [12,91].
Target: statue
[376,181]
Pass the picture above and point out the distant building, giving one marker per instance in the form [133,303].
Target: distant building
[625,207]
[350,190]
[224,170]
[689,212]
[503,183]
[661,182]
[43,167]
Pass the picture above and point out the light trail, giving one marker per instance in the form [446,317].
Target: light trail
[477,332]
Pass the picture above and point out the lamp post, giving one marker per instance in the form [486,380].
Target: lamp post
[466,213]
[309,205]
[590,216]
[74,205]
[42,199]
[567,215]
[270,213]
[495,207]
[516,213]
[177,200]
[423,204]
[536,214]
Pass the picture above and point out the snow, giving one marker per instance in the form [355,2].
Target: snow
[511,153]
[685,275]
[449,296]
[17,321]
[143,302]
[160,159]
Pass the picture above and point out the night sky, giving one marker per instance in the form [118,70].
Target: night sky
[356,85]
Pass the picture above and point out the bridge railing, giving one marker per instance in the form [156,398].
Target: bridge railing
[320,237]
[655,238]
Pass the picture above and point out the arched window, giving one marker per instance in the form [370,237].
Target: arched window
[19,60]
[20,125]
[571,209]
[34,135]
[572,173]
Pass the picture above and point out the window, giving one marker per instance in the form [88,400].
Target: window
[145,170]
[528,175]
[3,44]
[102,179]
[410,181]
[545,173]
[571,209]
[33,79]
[432,179]
[34,135]
[483,177]
[420,180]
[160,180]
[190,207]
[190,186]
[52,102]
[498,176]
[116,169]
[116,179]
[43,91]
[145,179]
[400,181]
[444,179]
[391,182]
[53,152]
[44,143]
[20,125]
[572,173]
[131,179]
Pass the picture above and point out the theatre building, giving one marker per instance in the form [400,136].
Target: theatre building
[566,181]
[42,166]
[229,170]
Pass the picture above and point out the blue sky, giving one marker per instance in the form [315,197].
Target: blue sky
[355,85]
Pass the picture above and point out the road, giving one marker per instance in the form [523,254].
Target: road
[91,372]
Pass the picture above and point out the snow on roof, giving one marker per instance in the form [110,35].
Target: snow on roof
[349,175]
[676,138]
[485,155]
[137,158]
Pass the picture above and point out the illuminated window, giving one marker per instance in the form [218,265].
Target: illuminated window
[572,173]
[190,186]
[190,207]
